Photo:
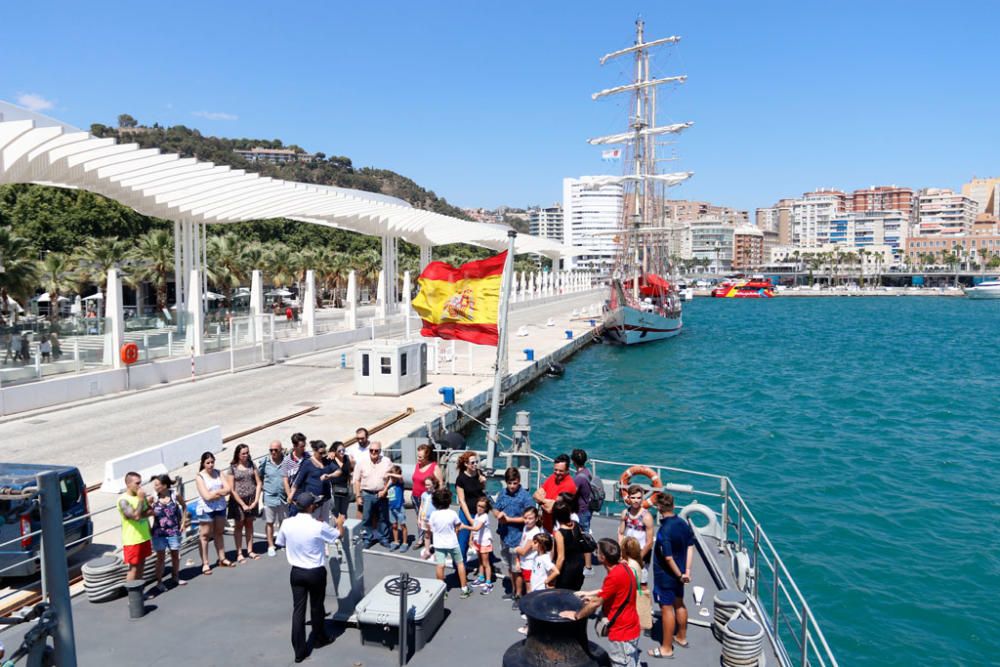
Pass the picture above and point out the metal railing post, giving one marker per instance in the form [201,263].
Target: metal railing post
[774,602]
[739,527]
[805,635]
[725,514]
[55,577]
[756,558]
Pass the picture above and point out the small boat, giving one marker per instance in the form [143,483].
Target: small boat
[988,289]
[754,288]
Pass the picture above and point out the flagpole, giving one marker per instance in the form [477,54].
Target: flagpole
[493,422]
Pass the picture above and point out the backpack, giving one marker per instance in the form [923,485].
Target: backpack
[597,495]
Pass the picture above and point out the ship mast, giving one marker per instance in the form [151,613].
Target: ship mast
[637,252]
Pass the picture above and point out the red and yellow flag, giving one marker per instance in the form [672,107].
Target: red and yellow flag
[462,303]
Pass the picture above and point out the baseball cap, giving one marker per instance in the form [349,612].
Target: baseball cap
[305,499]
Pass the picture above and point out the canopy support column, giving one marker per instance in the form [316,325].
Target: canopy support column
[114,320]
[256,305]
[390,255]
[425,256]
[405,305]
[309,304]
[178,275]
[351,316]
[195,341]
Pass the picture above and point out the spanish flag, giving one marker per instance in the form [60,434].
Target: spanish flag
[462,303]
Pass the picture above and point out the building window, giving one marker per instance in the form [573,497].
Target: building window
[386,365]
[365,370]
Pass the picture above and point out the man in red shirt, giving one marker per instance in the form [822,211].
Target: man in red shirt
[558,482]
[617,600]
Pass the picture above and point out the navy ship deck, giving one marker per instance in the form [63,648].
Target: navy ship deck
[241,616]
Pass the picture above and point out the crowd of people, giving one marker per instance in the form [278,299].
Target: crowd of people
[541,540]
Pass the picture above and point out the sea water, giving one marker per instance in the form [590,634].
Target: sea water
[864,433]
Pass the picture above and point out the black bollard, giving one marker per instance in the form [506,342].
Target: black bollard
[136,605]
[551,638]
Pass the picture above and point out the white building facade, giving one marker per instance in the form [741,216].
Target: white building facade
[942,211]
[712,240]
[592,213]
[546,222]
[811,218]
[867,229]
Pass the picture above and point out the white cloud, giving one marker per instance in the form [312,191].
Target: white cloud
[215,115]
[33,101]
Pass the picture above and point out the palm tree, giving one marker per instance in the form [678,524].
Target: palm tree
[226,268]
[861,257]
[154,262]
[368,264]
[984,253]
[98,256]
[19,276]
[280,264]
[56,275]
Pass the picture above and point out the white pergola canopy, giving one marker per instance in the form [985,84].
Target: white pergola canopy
[38,149]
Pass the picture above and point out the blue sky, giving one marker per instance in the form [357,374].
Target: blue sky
[489,103]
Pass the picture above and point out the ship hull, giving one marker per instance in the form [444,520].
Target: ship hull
[627,326]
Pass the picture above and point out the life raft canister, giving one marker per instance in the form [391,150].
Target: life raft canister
[129,353]
[643,471]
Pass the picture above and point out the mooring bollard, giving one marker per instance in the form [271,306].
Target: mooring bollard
[447,395]
[136,605]
[569,334]
[529,354]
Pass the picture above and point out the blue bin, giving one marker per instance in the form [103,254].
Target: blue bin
[343,361]
[569,334]
[447,395]
[593,323]
[529,354]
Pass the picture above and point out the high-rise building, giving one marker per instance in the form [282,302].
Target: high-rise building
[546,222]
[884,198]
[748,248]
[683,210]
[986,193]
[811,215]
[867,229]
[712,240]
[592,213]
[942,211]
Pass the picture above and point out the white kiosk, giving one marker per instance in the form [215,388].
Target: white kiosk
[389,368]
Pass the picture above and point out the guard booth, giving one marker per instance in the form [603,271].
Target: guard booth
[389,368]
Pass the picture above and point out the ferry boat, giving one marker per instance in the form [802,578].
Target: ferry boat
[988,289]
[644,305]
[752,288]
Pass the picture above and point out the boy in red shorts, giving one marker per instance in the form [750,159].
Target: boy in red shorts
[135,512]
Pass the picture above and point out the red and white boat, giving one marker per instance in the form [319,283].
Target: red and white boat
[752,288]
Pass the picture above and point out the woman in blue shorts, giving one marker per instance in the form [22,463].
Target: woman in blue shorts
[210,511]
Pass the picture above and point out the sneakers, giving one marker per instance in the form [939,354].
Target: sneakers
[480,581]
[271,552]
[404,548]
[466,593]
[487,589]
[516,603]
[394,546]
[588,571]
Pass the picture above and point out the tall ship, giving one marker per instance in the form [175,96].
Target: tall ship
[644,304]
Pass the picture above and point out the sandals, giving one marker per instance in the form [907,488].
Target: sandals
[252,555]
[656,653]
[681,644]
[241,559]
[206,569]
[225,562]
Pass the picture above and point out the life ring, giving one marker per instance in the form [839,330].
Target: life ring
[643,471]
[710,530]
[129,353]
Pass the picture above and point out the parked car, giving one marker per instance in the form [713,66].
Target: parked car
[20,518]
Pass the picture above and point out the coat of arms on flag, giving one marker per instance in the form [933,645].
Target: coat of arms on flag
[461,303]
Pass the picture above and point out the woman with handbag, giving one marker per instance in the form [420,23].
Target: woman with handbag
[620,623]
[632,555]
[569,550]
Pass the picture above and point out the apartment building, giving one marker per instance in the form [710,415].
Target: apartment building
[986,193]
[546,222]
[942,211]
[274,155]
[884,198]
[865,229]
[592,214]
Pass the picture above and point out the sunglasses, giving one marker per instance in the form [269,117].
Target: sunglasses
[275,450]
[375,451]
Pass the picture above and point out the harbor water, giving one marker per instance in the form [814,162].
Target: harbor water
[862,432]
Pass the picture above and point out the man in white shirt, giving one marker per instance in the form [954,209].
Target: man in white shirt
[359,448]
[304,538]
[371,491]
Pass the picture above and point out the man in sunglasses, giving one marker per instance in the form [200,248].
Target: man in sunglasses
[272,476]
[370,475]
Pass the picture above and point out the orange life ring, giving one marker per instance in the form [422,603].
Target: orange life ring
[643,471]
[129,353]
